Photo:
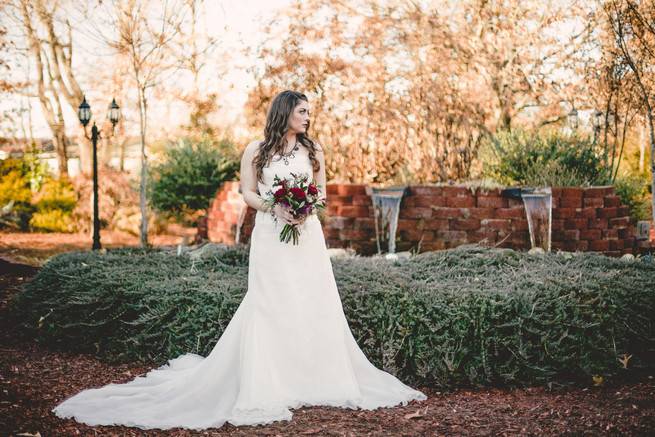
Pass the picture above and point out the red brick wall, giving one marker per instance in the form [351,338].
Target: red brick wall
[440,217]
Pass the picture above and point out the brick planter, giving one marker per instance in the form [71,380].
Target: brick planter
[439,217]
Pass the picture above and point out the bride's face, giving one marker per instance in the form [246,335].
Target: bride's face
[299,122]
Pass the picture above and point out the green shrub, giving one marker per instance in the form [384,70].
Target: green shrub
[463,317]
[54,205]
[633,192]
[542,159]
[190,175]
[38,168]
[443,319]
[15,194]
[159,306]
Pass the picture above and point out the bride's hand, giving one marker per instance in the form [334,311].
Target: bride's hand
[284,214]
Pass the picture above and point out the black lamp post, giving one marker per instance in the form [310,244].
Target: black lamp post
[84,114]
[573,119]
[596,120]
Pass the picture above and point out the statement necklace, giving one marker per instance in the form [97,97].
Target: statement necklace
[286,156]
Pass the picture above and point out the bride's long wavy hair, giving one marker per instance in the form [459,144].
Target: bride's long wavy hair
[278,122]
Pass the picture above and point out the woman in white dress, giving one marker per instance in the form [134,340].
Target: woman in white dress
[288,344]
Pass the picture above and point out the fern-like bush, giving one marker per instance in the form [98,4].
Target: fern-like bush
[534,158]
[189,175]
[54,204]
[15,194]
[633,192]
[443,319]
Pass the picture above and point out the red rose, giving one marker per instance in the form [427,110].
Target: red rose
[280,194]
[298,193]
[312,190]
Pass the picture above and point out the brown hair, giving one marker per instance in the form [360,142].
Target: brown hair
[275,132]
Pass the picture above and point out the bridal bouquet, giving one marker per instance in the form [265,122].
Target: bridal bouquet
[300,196]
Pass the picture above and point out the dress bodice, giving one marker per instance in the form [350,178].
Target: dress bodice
[282,167]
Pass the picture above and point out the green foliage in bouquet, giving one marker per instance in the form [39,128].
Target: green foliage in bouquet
[533,159]
[462,317]
[189,176]
[54,204]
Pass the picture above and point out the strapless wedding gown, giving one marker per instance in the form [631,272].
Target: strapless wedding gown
[288,345]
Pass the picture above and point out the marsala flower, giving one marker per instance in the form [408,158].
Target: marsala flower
[311,189]
[280,195]
[298,193]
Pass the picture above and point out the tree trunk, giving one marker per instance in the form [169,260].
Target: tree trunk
[86,156]
[652,163]
[123,147]
[649,113]
[60,142]
[143,230]
[642,148]
[105,151]
[55,78]
[51,109]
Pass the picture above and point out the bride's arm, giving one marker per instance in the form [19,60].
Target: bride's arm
[249,178]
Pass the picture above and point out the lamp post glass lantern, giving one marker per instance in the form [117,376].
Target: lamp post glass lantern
[84,112]
[596,121]
[84,115]
[114,112]
[573,119]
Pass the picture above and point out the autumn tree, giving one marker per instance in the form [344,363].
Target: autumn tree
[146,37]
[631,25]
[48,39]
[193,48]
[4,47]
[405,91]
[616,103]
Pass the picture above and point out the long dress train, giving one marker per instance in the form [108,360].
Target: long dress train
[288,345]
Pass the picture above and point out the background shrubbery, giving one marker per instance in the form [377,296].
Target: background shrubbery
[633,191]
[181,186]
[552,159]
[54,205]
[189,175]
[118,203]
[458,317]
[541,159]
[41,204]
[15,194]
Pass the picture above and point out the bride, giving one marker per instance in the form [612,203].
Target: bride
[288,344]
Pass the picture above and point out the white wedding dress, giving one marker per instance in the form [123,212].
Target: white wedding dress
[288,345]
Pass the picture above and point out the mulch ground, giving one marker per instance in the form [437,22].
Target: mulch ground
[34,378]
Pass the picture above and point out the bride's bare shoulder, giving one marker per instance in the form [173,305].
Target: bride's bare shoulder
[318,147]
[253,147]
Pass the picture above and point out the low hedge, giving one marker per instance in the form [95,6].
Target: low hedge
[458,317]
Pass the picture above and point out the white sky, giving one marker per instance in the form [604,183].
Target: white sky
[236,24]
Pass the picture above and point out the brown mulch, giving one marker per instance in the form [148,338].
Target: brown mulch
[34,378]
[35,248]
